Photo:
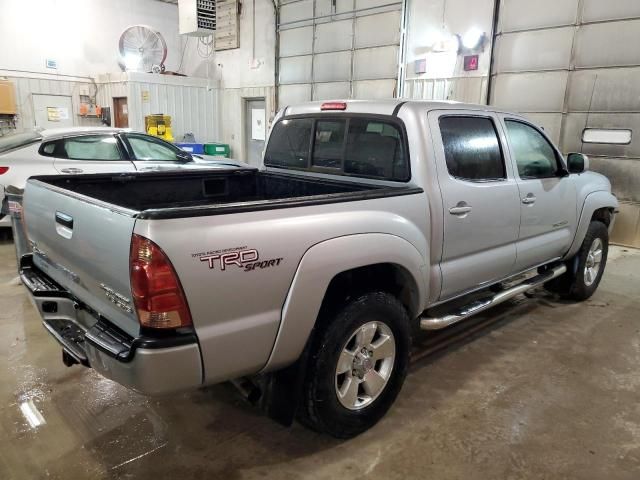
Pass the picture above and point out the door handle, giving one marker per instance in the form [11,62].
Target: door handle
[64,220]
[71,170]
[461,209]
[529,199]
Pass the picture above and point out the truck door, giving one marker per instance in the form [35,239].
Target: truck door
[547,196]
[480,198]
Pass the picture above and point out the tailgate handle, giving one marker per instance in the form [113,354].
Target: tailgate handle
[64,220]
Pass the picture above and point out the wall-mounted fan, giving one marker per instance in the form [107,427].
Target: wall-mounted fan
[142,49]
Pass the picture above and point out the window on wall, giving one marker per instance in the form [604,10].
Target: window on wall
[472,149]
[534,155]
[606,135]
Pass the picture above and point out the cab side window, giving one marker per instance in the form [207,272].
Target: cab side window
[535,157]
[472,149]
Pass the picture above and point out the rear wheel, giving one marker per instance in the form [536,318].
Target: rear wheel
[586,268]
[357,366]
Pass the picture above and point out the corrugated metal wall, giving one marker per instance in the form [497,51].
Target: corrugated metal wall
[191,102]
[26,87]
[341,49]
[572,65]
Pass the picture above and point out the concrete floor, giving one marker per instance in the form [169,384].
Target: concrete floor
[534,389]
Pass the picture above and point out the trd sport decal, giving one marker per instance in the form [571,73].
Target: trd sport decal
[247,259]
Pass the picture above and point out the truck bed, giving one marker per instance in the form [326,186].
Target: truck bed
[176,194]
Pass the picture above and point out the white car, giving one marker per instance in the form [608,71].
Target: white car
[64,151]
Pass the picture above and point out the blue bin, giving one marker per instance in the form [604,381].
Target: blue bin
[197,148]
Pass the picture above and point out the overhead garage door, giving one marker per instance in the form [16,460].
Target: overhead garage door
[574,68]
[338,49]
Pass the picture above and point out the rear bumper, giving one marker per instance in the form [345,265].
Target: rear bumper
[152,365]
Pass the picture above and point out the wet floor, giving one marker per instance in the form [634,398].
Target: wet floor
[534,389]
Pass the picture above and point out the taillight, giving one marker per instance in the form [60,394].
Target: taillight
[3,170]
[157,294]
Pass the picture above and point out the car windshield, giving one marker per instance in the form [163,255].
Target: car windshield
[16,140]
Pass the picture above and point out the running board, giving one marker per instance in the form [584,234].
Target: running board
[477,306]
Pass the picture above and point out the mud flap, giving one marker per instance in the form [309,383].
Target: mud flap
[282,390]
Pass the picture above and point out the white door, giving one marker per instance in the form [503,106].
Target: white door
[547,196]
[52,111]
[481,201]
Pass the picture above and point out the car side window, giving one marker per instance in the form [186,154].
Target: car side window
[87,147]
[48,149]
[472,149]
[148,148]
[534,155]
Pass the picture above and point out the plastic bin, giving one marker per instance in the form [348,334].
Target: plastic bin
[217,149]
[14,206]
[192,147]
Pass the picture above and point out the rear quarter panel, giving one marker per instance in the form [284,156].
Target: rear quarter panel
[237,312]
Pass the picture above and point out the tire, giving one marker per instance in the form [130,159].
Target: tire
[329,403]
[583,272]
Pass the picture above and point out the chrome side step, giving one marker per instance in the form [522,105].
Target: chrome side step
[477,306]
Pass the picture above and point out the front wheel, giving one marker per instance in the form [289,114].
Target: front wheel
[358,364]
[586,269]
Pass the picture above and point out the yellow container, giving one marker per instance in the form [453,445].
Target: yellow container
[159,125]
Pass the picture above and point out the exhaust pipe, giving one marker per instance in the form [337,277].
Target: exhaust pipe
[477,306]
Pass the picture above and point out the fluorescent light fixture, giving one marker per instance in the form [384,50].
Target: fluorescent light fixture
[31,414]
[471,39]
[607,135]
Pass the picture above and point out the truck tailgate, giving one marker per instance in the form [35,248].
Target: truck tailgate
[83,245]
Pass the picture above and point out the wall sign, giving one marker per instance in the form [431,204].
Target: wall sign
[145,96]
[52,64]
[470,63]
[258,130]
[55,114]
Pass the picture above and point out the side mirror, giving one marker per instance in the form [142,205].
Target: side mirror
[577,163]
[184,157]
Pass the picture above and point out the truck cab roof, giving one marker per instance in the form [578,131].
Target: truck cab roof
[380,107]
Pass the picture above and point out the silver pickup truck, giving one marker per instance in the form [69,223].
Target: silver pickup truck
[306,276]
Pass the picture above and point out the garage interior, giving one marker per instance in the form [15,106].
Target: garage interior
[538,387]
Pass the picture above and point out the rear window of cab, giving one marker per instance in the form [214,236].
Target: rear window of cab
[354,146]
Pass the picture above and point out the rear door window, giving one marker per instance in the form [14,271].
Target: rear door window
[472,149]
[87,147]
